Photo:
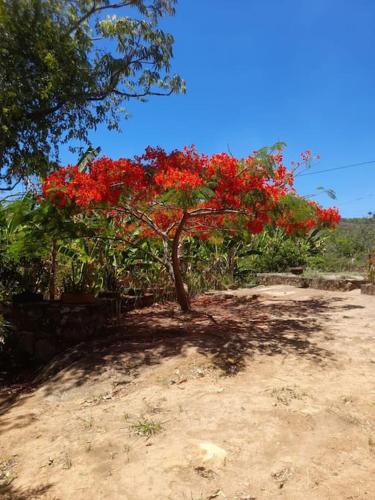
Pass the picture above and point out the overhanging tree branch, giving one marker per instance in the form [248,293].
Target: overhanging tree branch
[44,105]
[95,9]
[10,188]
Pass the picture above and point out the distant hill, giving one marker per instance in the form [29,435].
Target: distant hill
[347,248]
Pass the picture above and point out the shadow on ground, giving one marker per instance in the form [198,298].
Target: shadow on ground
[9,492]
[228,330]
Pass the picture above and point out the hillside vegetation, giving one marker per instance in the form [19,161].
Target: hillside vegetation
[347,248]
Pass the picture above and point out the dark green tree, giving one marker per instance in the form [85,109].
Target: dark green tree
[68,65]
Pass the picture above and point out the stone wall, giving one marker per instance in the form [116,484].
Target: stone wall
[43,329]
[322,282]
[368,289]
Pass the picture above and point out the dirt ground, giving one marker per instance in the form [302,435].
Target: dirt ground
[259,394]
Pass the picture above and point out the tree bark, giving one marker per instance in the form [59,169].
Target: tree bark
[181,292]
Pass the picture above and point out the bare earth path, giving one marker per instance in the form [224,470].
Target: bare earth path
[260,394]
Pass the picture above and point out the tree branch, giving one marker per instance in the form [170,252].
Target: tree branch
[172,226]
[201,212]
[143,218]
[143,94]
[95,9]
[10,188]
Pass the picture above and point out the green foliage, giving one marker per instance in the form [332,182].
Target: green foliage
[371,273]
[21,264]
[85,261]
[5,331]
[329,192]
[28,231]
[274,251]
[68,65]
[210,264]
[347,248]
[80,255]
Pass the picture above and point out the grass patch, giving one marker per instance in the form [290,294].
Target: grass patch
[285,395]
[146,428]
[6,472]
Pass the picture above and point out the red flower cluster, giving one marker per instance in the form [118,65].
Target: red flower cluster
[291,226]
[328,216]
[317,217]
[218,192]
[104,182]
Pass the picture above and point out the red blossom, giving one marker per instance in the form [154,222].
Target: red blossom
[216,192]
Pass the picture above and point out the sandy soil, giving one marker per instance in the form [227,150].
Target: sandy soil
[259,394]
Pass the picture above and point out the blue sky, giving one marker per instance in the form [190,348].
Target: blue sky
[260,71]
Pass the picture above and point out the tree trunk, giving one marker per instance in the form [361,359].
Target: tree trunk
[181,292]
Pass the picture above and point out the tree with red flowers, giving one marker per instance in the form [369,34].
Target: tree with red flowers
[171,195]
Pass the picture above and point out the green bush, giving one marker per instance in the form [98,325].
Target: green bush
[347,248]
[274,251]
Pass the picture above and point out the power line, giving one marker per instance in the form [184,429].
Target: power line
[352,165]
[348,202]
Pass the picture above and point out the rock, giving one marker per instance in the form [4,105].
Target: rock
[212,453]
[368,289]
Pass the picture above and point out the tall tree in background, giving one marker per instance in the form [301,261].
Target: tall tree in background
[68,65]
